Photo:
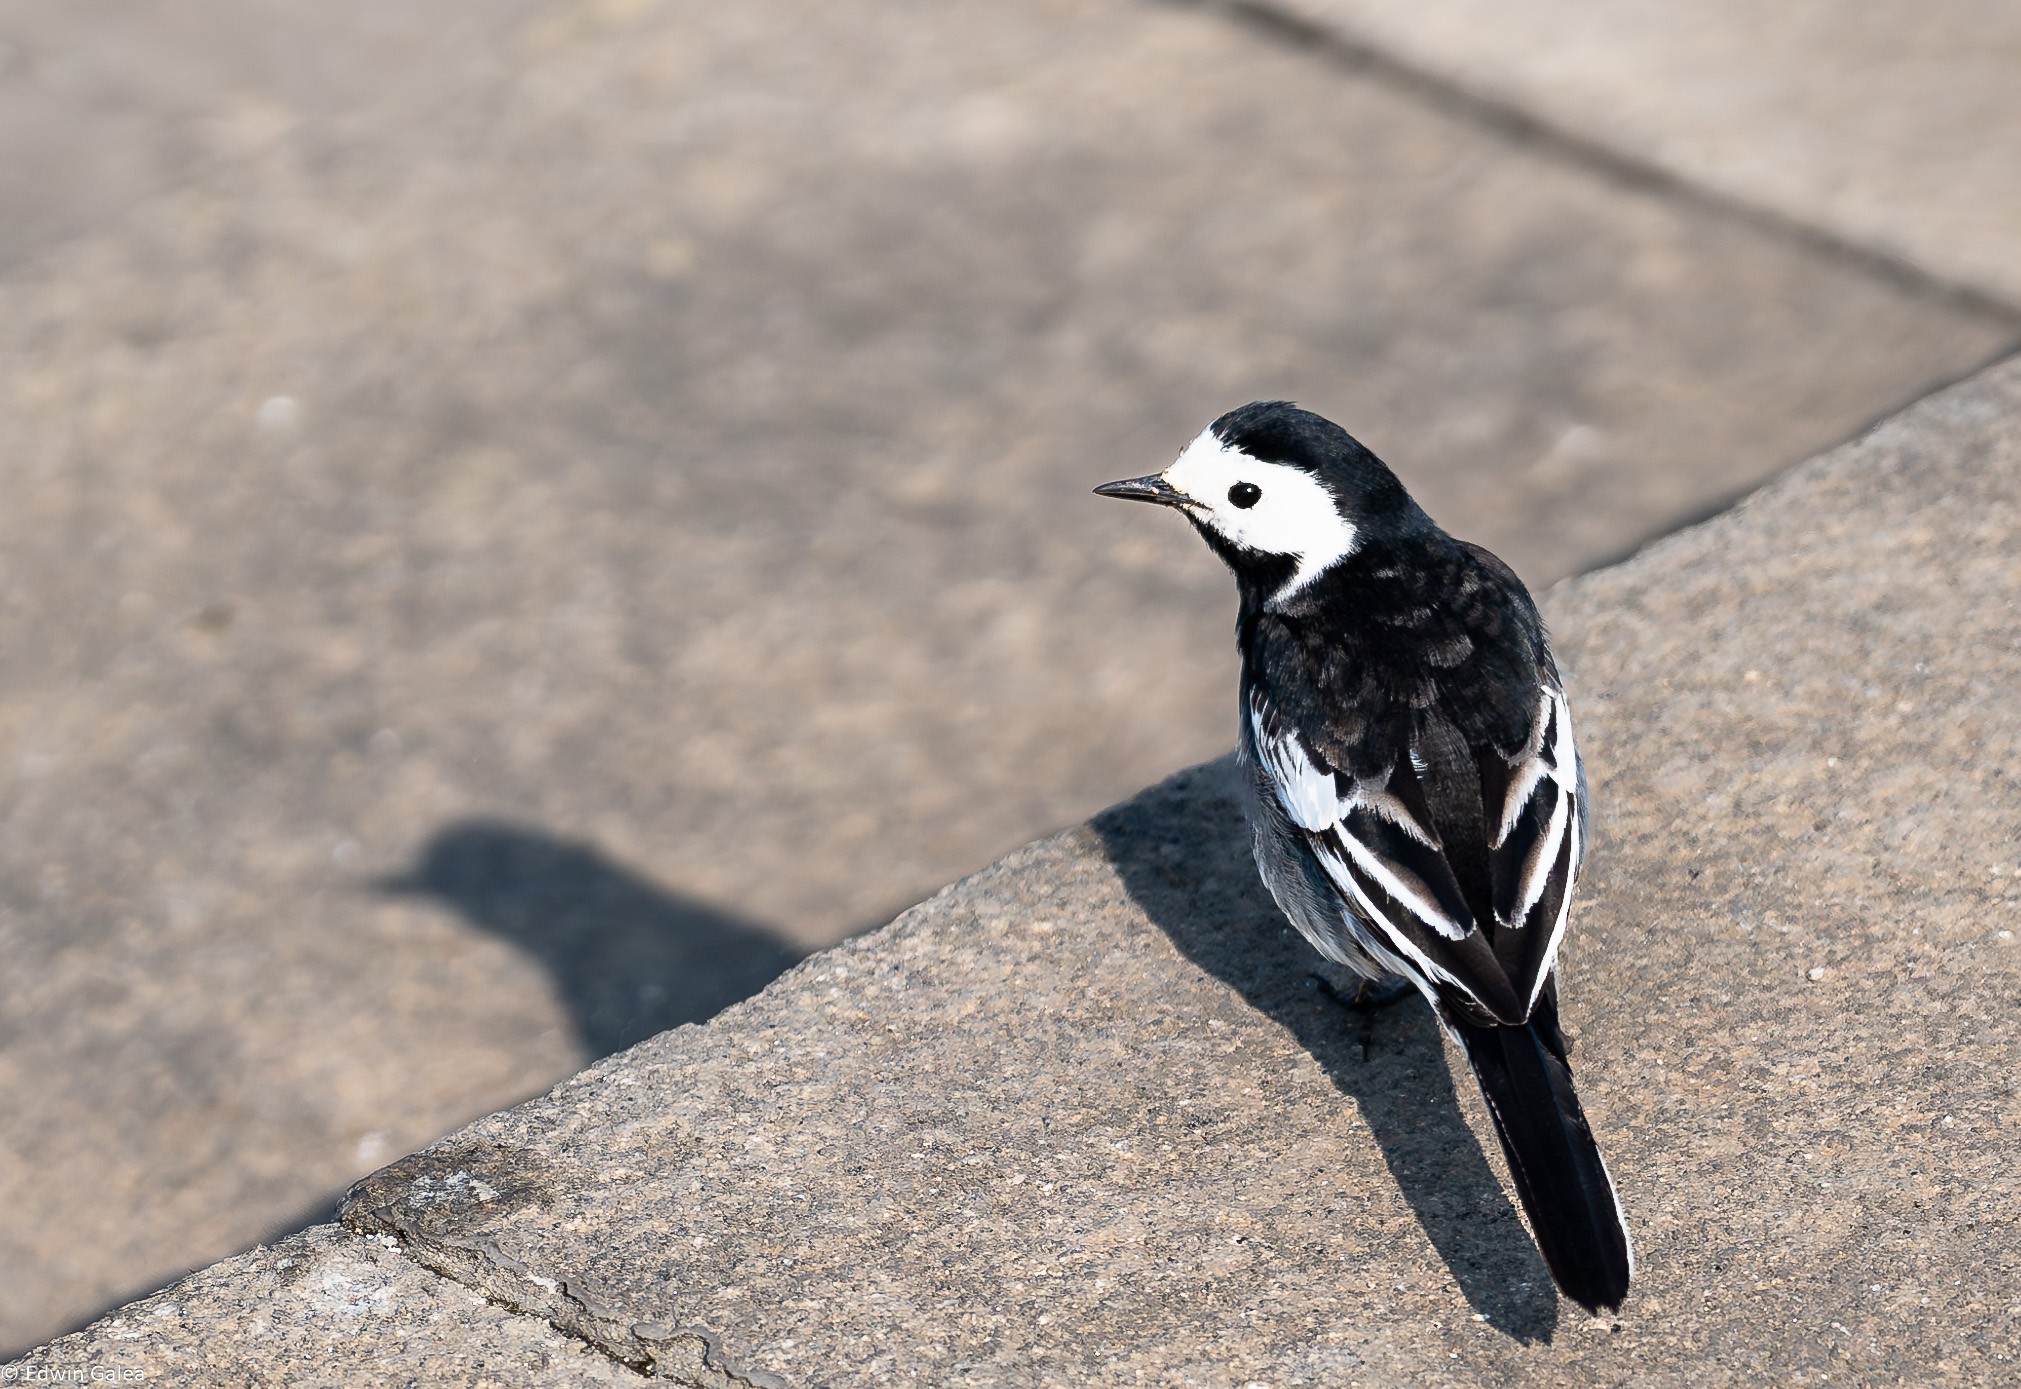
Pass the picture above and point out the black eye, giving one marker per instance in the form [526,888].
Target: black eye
[1245,494]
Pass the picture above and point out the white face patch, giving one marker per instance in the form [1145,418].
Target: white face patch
[1293,513]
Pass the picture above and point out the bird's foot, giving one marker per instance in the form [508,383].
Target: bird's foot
[1366,1001]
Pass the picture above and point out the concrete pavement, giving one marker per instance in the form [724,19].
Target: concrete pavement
[516,549]
[1083,1118]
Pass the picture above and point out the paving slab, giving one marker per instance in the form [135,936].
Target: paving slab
[103,103]
[323,1307]
[1083,1118]
[1892,127]
[507,571]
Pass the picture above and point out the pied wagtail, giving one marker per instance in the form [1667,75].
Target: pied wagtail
[1416,806]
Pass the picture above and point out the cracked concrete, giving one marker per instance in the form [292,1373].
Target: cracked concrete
[423,1203]
[323,1307]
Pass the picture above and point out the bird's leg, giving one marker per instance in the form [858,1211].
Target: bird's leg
[1369,995]
[1369,998]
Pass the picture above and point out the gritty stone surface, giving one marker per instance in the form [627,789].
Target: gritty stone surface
[1897,127]
[323,1307]
[453,551]
[1083,1119]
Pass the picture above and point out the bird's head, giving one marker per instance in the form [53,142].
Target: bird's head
[1280,493]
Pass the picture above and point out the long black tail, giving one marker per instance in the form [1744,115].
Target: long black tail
[1557,1168]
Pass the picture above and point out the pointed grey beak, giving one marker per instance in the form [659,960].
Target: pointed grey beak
[1144,489]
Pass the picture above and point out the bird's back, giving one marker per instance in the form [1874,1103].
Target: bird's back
[1422,685]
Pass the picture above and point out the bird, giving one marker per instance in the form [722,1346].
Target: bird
[1415,800]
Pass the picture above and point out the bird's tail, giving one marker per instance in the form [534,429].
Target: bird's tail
[1559,1176]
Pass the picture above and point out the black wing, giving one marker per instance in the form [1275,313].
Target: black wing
[1456,858]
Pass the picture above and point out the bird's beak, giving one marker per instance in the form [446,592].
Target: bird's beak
[1145,489]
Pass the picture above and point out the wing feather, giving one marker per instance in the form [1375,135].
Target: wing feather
[1378,843]
[1410,870]
[1548,803]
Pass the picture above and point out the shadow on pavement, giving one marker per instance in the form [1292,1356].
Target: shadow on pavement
[629,957]
[1183,855]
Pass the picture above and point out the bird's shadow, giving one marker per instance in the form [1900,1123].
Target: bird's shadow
[1182,852]
[628,957]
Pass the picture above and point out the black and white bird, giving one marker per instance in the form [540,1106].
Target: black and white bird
[1416,803]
